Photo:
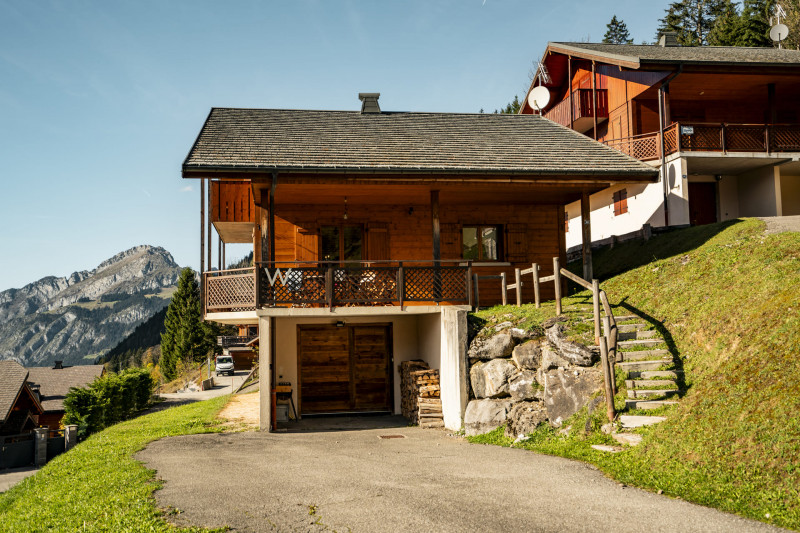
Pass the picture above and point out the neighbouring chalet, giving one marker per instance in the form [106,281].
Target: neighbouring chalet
[53,383]
[20,408]
[721,123]
[367,229]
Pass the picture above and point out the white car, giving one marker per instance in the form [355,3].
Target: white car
[224,364]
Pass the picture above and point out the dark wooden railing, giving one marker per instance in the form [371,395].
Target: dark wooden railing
[227,341]
[333,284]
[705,137]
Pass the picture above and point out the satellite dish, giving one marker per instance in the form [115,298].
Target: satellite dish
[539,97]
[779,32]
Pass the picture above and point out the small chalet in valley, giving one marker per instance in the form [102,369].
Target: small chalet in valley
[722,124]
[367,228]
[20,409]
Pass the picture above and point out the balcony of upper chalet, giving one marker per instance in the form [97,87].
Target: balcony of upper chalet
[583,106]
[390,209]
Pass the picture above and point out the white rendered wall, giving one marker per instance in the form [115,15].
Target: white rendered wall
[759,192]
[453,367]
[645,206]
[790,195]
[728,192]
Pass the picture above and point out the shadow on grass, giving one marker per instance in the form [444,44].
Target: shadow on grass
[677,362]
[609,262]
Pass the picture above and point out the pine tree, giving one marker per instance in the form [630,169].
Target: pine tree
[754,26]
[184,337]
[792,20]
[617,32]
[726,28]
[692,20]
[512,108]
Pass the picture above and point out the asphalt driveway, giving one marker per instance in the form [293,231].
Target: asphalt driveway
[337,474]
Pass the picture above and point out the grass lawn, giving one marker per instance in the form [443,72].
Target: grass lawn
[726,297]
[98,486]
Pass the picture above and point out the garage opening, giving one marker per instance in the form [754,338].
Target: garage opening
[345,369]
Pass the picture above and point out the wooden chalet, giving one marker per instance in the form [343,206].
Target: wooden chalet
[20,408]
[368,228]
[721,123]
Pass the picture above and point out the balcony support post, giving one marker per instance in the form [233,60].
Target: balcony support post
[208,227]
[594,99]
[437,249]
[569,90]
[586,234]
[202,242]
[272,216]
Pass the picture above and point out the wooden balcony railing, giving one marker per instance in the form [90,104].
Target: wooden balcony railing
[321,284]
[227,341]
[704,137]
[582,106]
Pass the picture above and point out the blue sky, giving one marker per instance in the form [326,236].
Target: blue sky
[101,101]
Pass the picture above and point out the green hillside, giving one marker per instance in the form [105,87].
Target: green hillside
[726,298]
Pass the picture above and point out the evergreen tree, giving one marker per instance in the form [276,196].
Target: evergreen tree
[692,20]
[617,32]
[726,28]
[184,336]
[512,108]
[792,20]
[754,26]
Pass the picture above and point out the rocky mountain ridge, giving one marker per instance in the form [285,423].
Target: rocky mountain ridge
[78,317]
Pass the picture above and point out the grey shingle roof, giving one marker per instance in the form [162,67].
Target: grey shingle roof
[12,378]
[330,141]
[54,383]
[642,53]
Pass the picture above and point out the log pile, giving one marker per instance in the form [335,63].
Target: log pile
[420,394]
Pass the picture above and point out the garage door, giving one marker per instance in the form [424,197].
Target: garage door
[344,369]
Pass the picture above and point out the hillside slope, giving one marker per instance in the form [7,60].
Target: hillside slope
[729,296]
[78,317]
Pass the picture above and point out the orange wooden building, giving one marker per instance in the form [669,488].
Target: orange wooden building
[721,123]
[368,229]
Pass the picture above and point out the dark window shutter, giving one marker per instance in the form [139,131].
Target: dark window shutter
[377,242]
[450,241]
[620,202]
[517,251]
[306,244]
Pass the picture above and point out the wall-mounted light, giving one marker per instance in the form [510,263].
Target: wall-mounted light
[345,208]
[340,324]
[718,177]
[410,210]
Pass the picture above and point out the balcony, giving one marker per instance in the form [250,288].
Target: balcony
[234,341]
[582,109]
[704,137]
[321,284]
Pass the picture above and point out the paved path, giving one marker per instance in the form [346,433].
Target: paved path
[336,474]
[222,385]
[782,224]
[12,476]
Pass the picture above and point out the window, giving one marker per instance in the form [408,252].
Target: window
[341,243]
[620,202]
[481,243]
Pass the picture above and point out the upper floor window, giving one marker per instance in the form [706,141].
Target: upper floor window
[481,243]
[620,202]
[341,243]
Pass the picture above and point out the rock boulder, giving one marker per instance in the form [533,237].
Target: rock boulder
[483,416]
[528,355]
[494,347]
[524,418]
[523,386]
[575,353]
[490,380]
[566,392]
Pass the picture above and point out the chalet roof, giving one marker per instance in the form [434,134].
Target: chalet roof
[633,55]
[12,379]
[54,383]
[399,142]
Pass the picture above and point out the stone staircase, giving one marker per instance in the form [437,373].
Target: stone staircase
[651,380]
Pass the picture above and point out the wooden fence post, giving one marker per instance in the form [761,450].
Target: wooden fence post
[518,280]
[504,287]
[477,292]
[611,351]
[535,267]
[607,378]
[596,308]
[557,280]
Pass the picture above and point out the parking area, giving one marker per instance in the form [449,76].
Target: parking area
[378,474]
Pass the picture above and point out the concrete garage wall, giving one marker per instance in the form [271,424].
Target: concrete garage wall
[790,195]
[759,193]
[728,190]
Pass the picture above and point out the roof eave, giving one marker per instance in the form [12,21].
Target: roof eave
[632,62]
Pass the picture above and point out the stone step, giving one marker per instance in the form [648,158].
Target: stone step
[630,439]
[649,383]
[637,421]
[637,335]
[648,404]
[650,374]
[605,448]
[640,342]
[626,328]
[626,318]
[644,355]
[630,366]
[650,393]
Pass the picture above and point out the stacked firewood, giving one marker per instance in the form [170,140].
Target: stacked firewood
[420,398]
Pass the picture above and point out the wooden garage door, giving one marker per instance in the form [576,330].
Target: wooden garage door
[344,369]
